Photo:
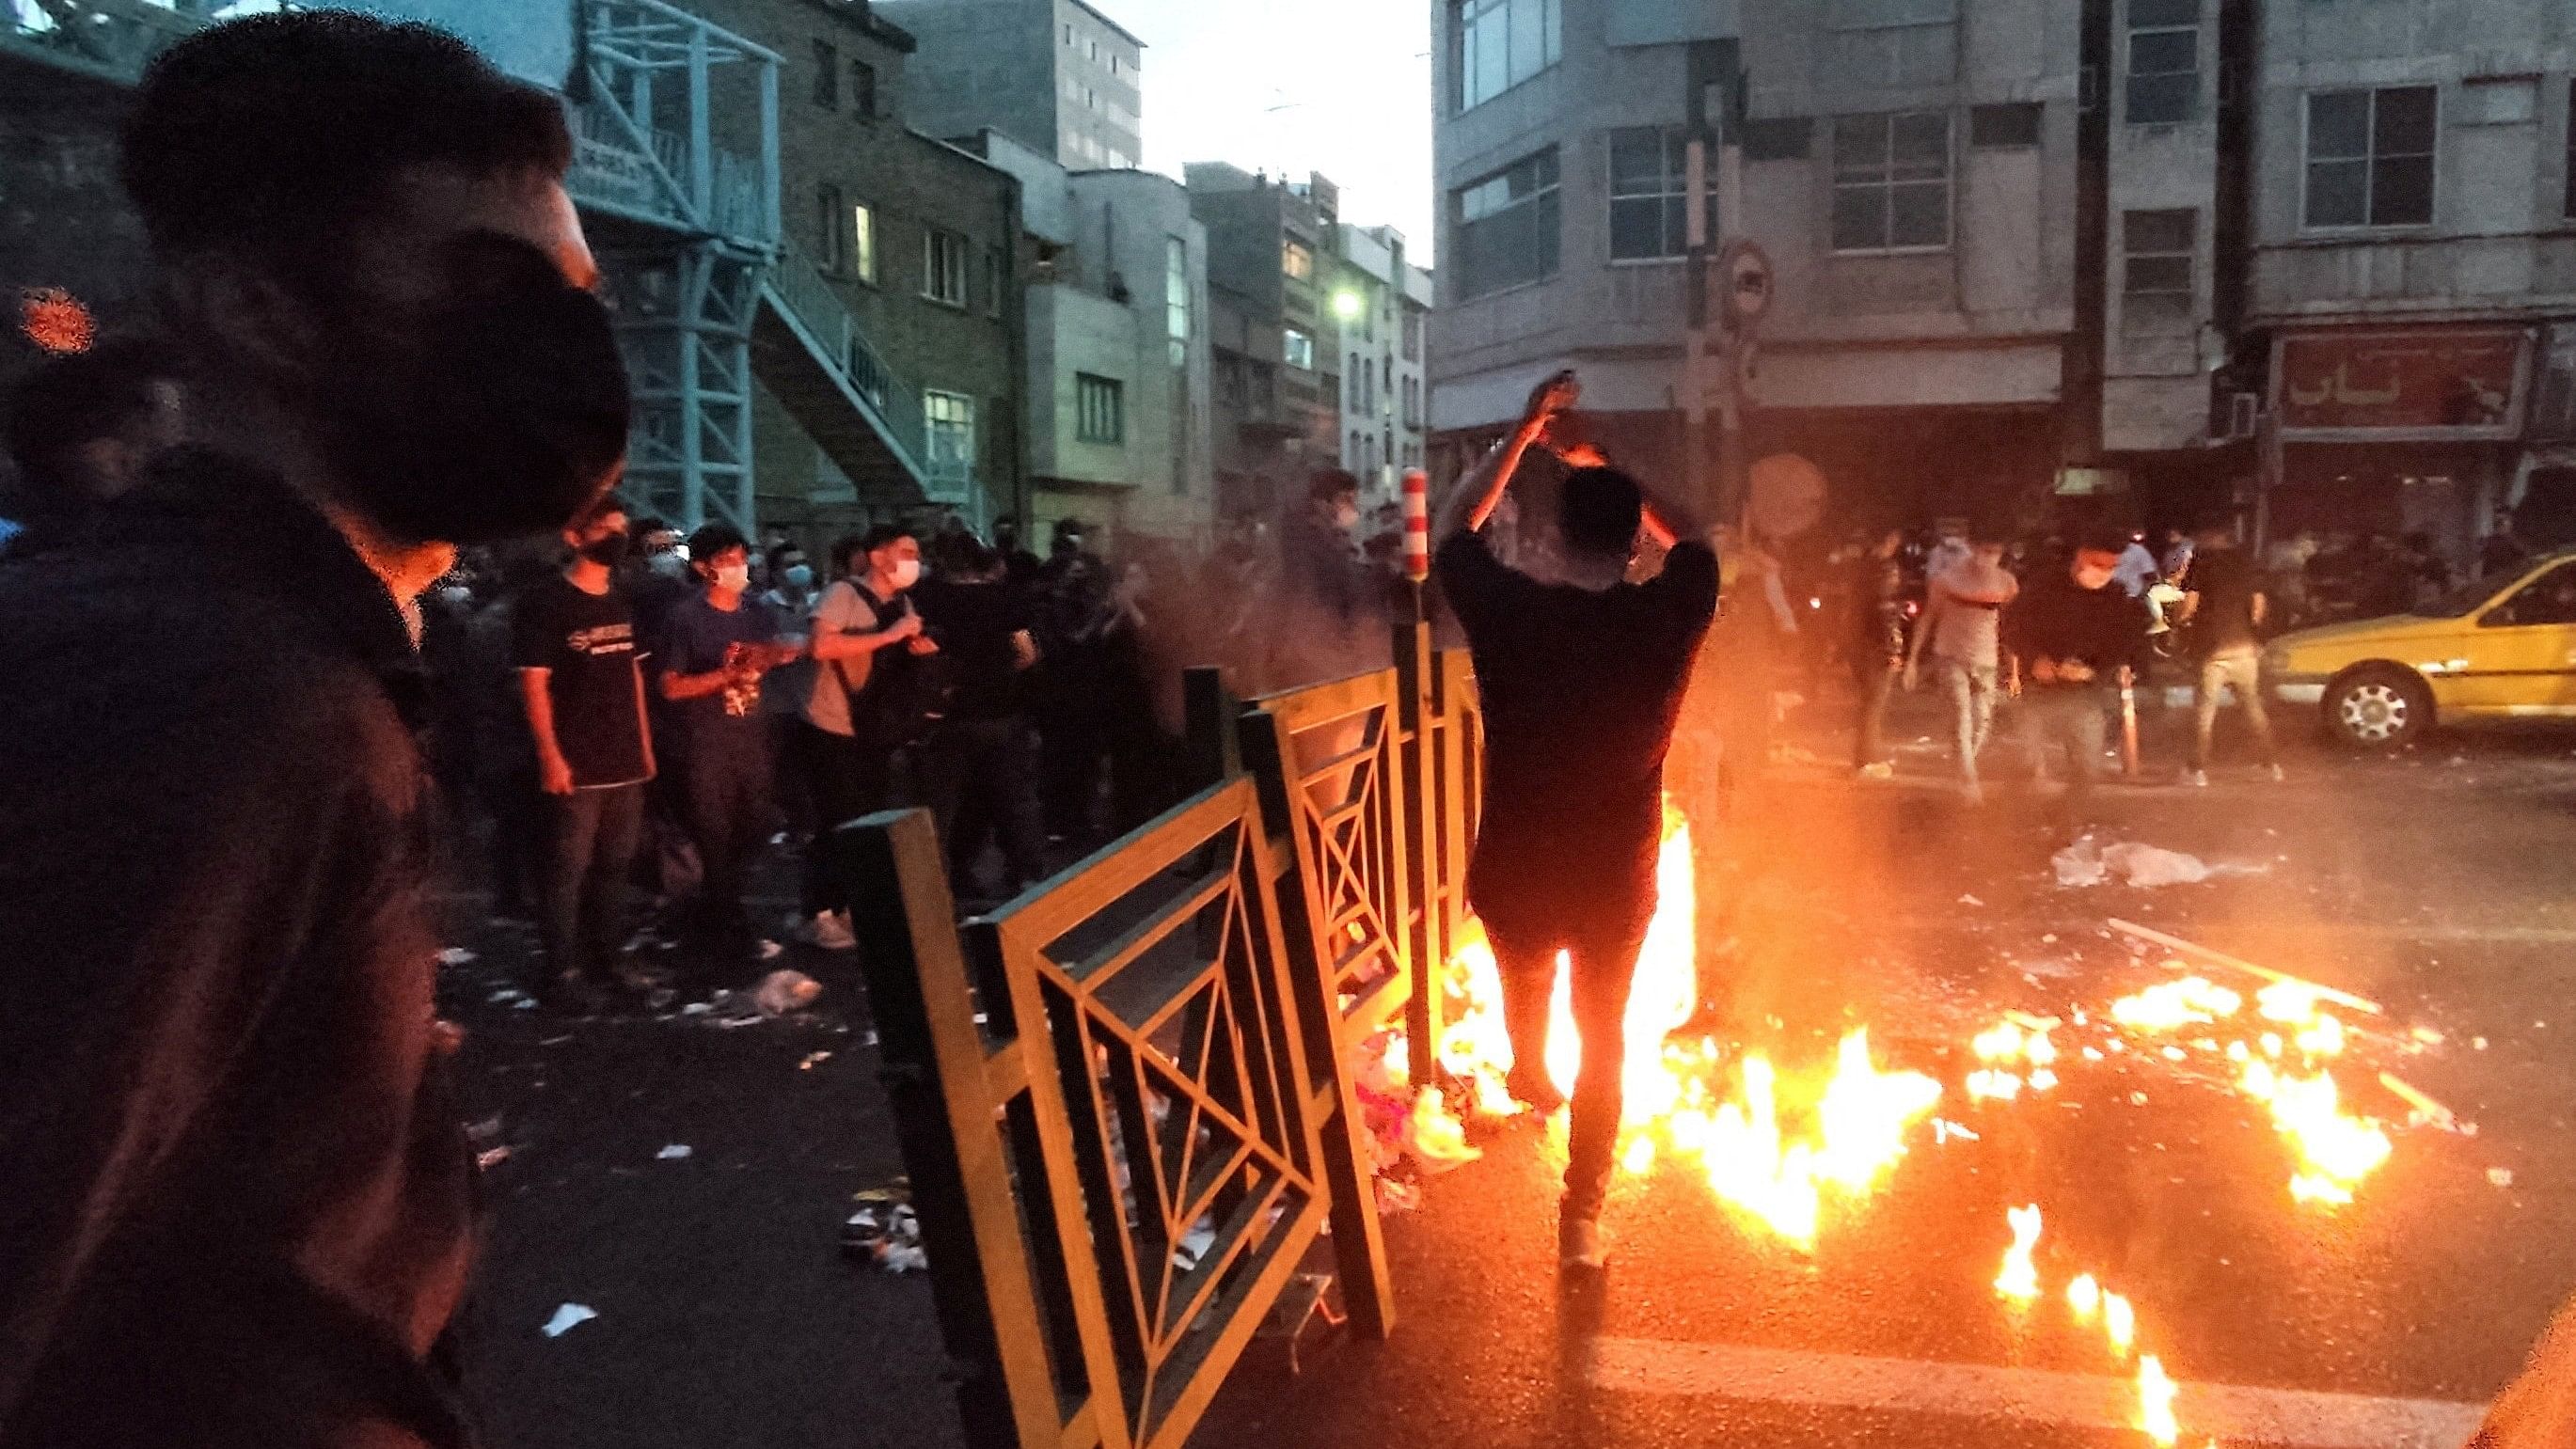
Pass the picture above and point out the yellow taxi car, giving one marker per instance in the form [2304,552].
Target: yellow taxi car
[2499,649]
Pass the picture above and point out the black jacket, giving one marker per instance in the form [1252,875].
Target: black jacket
[239,1198]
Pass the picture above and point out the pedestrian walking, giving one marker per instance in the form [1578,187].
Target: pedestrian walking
[2137,567]
[714,650]
[1581,680]
[2074,636]
[855,721]
[2224,613]
[1961,629]
[240,1199]
[1877,648]
[582,687]
[983,761]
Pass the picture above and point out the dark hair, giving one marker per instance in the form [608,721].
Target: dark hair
[640,524]
[602,509]
[273,132]
[778,553]
[1331,483]
[886,533]
[716,538]
[1599,511]
[1067,528]
[845,548]
[70,402]
[2102,539]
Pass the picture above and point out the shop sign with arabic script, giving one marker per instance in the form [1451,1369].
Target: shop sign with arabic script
[2421,382]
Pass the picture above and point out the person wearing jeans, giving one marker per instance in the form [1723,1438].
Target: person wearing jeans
[2224,611]
[1962,615]
[582,686]
[1879,650]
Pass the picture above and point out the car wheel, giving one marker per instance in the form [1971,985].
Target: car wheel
[2379,709]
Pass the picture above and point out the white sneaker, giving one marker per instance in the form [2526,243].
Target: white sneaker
[1579,1244]
[830,930]
[2280,776]
[2195,778]
[1877,770]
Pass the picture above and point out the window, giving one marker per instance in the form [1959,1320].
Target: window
[1297,260]
[827,75]
[835,256]
[2157,248]
[993,272]
[943,267]
[1412,336]
[2571,150]
[1892,181]
[1507,226]
[863,242]
[1650,193]
[949,428]
[2164,61]
[863,90]
[2016,124]
[1353,378]
[1893,42]
[1101,409]
[1176,298]
[2548,599]
[1297,349]
[1502,43]
[2370,157]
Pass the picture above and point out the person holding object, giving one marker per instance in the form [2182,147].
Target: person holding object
[1582,680]
[581,684]
[240,1208]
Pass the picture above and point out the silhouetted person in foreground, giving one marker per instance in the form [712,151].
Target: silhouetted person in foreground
[1581,680]
[239,1198]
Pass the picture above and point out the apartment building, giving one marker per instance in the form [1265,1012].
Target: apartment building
[1272,248]
[1382,302]
[1055,75]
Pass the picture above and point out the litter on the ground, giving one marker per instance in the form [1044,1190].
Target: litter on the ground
[812,1060]
[1193,1246]
[2087,863]
[783,991]
[884,1230]
[491,1157]
[456,956]
[507,995]
[2500,1176]
[1970,901]
[676,1152]
[567,1318]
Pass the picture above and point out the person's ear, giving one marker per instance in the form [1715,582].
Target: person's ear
[266,326]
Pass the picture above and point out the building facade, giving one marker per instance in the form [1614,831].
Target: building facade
[1381,304]
[1118,408]
[1055,75]
[1272,258]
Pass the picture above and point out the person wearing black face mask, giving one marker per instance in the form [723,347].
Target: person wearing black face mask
[581,679]
[240,1209]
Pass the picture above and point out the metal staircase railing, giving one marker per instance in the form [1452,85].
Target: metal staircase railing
[110,40]
[813,309]
[628,156]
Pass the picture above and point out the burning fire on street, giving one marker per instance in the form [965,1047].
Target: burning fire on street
[1793,1146]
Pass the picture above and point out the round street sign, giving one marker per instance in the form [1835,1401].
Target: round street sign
[1747,270]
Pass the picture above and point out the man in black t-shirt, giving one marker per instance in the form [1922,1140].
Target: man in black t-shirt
[581,682]
[2072,635]
[982,768]
[2224,610]
[1581,681]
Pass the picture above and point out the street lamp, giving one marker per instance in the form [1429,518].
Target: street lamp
[1347,305]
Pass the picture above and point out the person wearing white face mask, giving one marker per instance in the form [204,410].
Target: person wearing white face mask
[715,649]
[856,718]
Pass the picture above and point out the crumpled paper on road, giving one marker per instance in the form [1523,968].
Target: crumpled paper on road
[2086,863]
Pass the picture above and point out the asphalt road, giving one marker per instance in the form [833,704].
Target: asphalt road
[2431,884]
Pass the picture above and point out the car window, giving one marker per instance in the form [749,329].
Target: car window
[2459,603]
[2548,599]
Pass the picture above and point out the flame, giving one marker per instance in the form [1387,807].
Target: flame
[2172,1005]
[2084,1297]
[2019,1280]
[2119,1323]
[2156,1401]
[2335,1149]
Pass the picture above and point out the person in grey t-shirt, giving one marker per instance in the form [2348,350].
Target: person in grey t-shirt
[1962,619]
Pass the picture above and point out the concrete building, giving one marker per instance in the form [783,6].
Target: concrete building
[1907,164]
[888,363]
[1118,408]
[1271,257]
[2413,264]
[1055,75]
[1381,303]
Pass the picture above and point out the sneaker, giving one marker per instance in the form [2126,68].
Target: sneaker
[1580,1244]
[830,930]
[2197,779]
[1878,770]
[2278,776]
[1972,793]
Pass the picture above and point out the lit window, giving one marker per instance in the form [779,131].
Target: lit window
[1297,349]
[1101,412]
[1176,298]
[2370,157]
[1891,181]
[949,429]
[863,242]
[1502,43]
[1297,260]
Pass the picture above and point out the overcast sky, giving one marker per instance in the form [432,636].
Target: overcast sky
[1337,86]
